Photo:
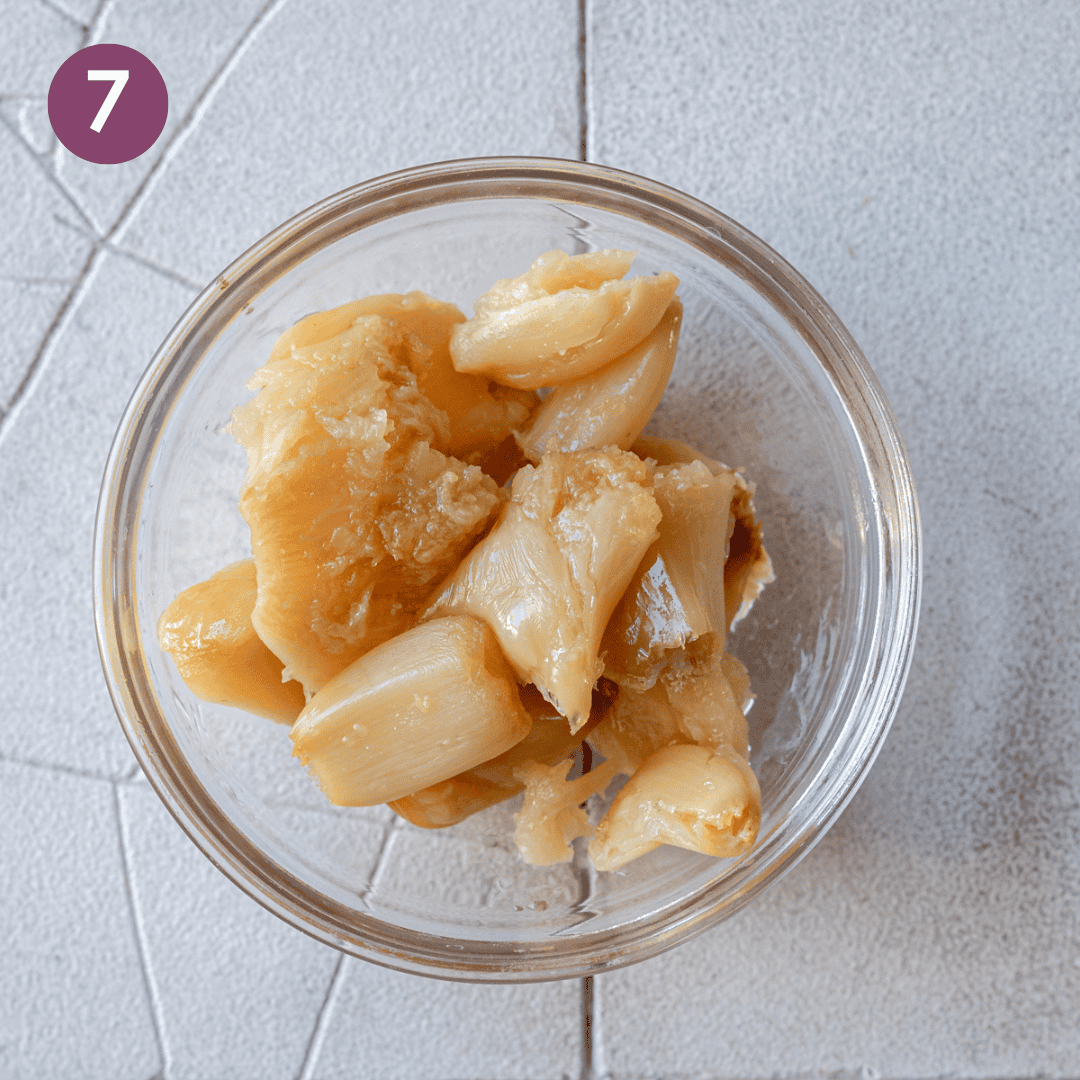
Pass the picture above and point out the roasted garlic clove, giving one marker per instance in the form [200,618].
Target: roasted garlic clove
[676,594]
[699,697]
[709,691]
[564,318]
[480,413]
[548,575]
[355,512]
[551,815]
[548,742]
[207,630]
[639,724]
[424,706]
[694,797]
[609,407]
[748,568]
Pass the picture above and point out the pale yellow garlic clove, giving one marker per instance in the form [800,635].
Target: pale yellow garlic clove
[551,815]
[676,594]
[207,630]
[549,741]
[548,575]
[609,407]
[553,272]
[693,797]
[565,317]
[424,706]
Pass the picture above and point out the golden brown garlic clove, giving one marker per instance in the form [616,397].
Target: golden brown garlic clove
[693,797]
[207,630]
[480,413]
[699,697]
[609,407]
[355,511]
[565,317]
[548,575]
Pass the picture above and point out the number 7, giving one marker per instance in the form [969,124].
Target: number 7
[119,81]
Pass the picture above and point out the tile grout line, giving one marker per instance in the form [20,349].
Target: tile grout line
[191,118]
[56,9]
[322,1020]
[66,770]
[91,34]
[153,997]
[96,25]
[176,140]
[156,267]
[50,173]
[587,1062]
[14,279]
[583,155]
[60,320]
[133,256]
[391,831]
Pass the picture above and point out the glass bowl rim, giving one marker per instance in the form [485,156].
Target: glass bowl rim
[894,618]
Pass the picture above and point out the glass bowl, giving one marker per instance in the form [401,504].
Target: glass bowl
[767,379]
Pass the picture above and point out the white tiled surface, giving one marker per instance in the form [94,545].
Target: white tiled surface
[920,163]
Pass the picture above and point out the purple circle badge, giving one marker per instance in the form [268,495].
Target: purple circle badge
[108,104]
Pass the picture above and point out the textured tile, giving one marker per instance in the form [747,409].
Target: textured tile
[27,309]
[41,40]
[80,11]
[188,42]
[239,990]
[52,455]
[331,93]
[29,117]
[72,994]
[919,164]
[401,1027]
[35,219]
[906,161]
[884,954]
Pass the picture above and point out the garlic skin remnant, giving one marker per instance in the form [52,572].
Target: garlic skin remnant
[434,701]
